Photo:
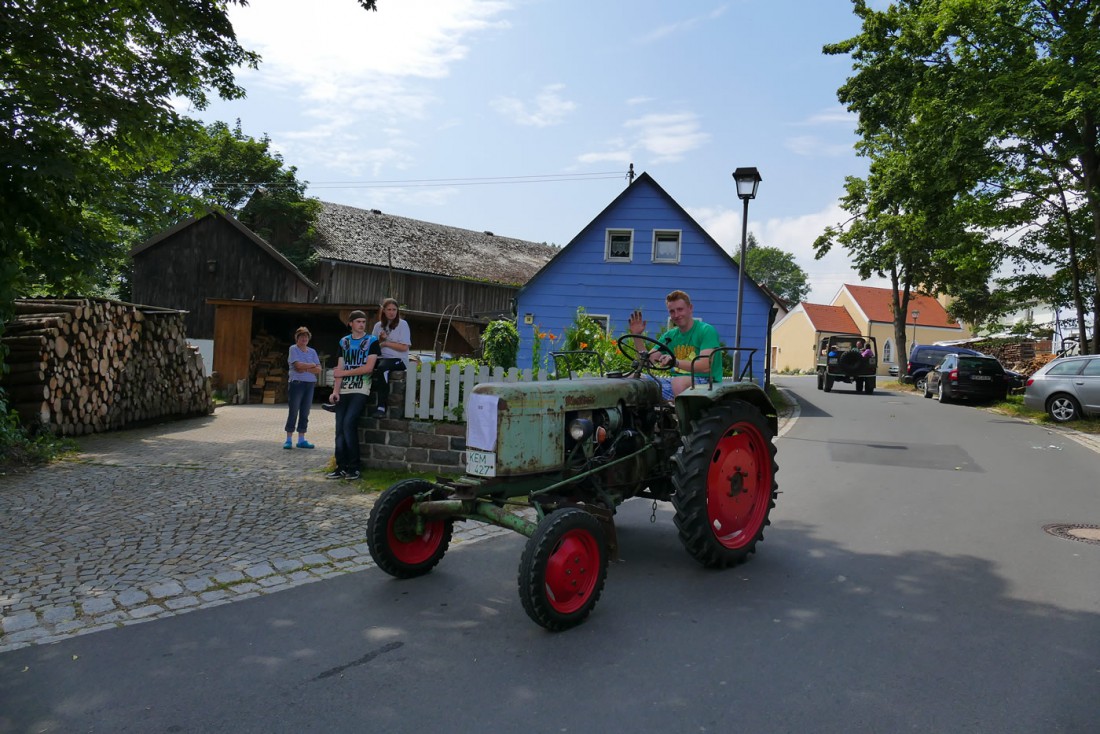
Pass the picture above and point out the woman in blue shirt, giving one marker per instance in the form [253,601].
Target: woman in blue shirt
[305,365]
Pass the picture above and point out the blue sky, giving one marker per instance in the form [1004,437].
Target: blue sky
[414,108]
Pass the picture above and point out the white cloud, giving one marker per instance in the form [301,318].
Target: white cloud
[795,235]
[358,76]
[612,156]
[836,114]
[548,109]
[812,145]
[668,136]
[681,26]
[336,42]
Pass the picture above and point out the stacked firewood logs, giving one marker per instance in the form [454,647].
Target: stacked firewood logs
[80,366]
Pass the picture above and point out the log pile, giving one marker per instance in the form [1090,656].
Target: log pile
[81,366]
[268,367]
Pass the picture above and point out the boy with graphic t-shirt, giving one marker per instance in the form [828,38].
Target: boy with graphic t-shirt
[687,339]
[359,352]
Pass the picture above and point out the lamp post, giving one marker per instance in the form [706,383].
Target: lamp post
[748,180]
[915,314]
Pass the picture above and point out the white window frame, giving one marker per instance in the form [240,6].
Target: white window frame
[888,352]
[603,319]
[679,245]
[607,246]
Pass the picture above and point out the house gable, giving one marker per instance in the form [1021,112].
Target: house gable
[606,284]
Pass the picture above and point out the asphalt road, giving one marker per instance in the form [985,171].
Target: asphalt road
[906,584]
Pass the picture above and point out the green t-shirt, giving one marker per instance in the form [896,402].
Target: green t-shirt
[687,346]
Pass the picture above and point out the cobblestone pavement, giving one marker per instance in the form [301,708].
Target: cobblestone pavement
[153,522]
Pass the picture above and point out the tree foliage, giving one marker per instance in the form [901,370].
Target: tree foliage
[983,116]
[85,106]
[501,344]
[776,269]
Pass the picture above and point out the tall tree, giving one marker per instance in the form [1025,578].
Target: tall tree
[1016,79]
[776,269]
[86,90]
[216,166]
[85,106]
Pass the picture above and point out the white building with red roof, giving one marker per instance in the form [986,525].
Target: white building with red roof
[859,309]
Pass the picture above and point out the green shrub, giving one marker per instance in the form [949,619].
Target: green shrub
[501,343]
[20,448]
[585,333]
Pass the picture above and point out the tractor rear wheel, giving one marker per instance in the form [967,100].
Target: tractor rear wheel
[402,543]
[725,486]
[563,569]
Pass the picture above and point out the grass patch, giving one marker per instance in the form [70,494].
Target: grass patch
[1013,405]
[22,451]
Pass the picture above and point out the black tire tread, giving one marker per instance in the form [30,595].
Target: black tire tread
[378,537]
[689,482]
[532,567]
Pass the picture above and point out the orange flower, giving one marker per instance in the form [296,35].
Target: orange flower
[584,345]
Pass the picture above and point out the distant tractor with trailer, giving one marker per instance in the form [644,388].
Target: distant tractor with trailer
[553,460]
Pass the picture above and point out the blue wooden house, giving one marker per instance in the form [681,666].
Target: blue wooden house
[637,250]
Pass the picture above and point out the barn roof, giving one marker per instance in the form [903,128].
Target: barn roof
[369,237]
[251,236]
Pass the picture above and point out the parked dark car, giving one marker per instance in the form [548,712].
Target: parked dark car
[966,376]
[1067,388]
[924,357]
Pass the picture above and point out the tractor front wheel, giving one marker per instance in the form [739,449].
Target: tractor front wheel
[403,543]
[725,486]
[563,569]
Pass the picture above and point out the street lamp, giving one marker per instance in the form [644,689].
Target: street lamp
[915,314]
[748,180]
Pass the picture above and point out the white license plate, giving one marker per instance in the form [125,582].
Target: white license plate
[980,377]
[481,463]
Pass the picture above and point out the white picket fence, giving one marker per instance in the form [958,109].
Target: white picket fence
[433,392]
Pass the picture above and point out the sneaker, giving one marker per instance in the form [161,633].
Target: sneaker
[352,476]
[380,412]
[288,445]
[338,474]
[329,407]
[303,444]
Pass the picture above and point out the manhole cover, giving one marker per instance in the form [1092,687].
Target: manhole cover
[1083,533]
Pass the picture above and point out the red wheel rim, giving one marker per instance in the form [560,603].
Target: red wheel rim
[738,486]
[409,543]
[571,571]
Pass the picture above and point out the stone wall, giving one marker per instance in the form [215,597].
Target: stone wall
[395,442]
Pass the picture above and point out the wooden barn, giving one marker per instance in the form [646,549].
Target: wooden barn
[213,256]
[241,293]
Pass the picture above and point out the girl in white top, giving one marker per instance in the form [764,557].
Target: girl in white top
[394,338]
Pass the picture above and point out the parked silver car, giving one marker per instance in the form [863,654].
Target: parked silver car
[1066,388]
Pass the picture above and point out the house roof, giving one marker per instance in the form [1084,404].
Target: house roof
[260,242]
[834,319]
[876,304]
[646,179]
[369,237]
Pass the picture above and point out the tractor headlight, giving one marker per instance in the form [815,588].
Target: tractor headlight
[580,429]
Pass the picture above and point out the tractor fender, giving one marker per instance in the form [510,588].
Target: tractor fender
[693,402]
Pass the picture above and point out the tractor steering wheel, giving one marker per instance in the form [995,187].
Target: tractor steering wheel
[641,358]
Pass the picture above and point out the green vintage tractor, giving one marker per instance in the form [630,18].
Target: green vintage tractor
[553,460]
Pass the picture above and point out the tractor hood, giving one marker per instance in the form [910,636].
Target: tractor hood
[522,424]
